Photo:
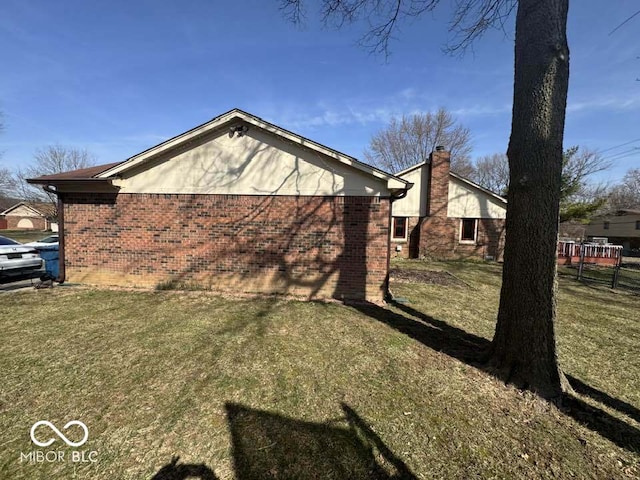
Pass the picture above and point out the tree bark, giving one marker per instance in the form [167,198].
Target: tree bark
[523,347]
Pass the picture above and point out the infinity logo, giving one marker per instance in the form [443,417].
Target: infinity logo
[59,433]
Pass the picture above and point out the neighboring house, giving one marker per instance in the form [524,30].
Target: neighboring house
[572,230]
[620,228]
[30,216]
[446,216]
[236,204]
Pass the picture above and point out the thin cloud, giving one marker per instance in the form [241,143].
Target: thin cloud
[378,111]
[607,103]
[481,110]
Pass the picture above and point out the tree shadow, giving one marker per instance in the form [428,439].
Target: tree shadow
[471,349]
[599,396]
[270,445]
[175,471]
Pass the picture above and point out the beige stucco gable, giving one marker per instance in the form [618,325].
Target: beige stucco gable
[467,201]
[256,163]
[22,211]
[414,204]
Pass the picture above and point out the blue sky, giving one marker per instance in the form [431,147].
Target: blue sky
[117,77]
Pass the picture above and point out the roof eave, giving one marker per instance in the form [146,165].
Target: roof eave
[220,121]
[45,181]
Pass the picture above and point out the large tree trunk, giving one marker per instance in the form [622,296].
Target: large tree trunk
[524,347]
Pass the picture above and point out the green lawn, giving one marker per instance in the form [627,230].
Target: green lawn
[269,388]
[24,236]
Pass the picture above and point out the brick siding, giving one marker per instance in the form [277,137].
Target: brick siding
[489,240]
[316,247]
[438,231]
[438,235]
[408,248]
[12,222]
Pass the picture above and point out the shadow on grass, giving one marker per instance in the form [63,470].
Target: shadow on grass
[175,471]
[269,445]
[604,398]
[470,349]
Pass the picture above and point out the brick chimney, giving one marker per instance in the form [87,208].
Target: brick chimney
[439,169]
[437,231]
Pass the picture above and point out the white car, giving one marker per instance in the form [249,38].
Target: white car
[50,241]
[17,259]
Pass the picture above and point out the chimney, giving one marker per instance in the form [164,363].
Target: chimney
[439,182]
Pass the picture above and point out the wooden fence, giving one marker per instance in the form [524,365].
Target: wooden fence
[571,253]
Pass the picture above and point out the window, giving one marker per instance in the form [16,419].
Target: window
[399,228]
[468,230]
[606,225]
[637,224]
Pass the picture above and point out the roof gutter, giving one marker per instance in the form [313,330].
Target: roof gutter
[398,194]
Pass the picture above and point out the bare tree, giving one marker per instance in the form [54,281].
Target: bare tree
[48,161]
[492,172]
[8,182]
[627,193]
[523,350]
[578,164]
[409,140]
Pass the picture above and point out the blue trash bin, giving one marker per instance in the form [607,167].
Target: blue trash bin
[51,257]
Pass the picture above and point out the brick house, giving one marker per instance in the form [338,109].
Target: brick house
[446,216]
[30,216]
[236,204]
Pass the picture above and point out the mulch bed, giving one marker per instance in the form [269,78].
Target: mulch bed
[425,276]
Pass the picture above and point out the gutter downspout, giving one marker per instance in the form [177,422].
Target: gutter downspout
[392,198]
[61,257]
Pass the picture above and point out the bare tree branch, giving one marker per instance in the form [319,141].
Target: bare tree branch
[470,20]
[627,193]
[492,172]
[48,161]
[409,140]
[8,183]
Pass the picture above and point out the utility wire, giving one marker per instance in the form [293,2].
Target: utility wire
[628,19]
[624,155]
[621,145]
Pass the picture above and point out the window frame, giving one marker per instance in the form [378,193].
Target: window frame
[394,221]
[473,241]
[605,225]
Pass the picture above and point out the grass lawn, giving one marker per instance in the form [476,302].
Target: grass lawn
[269,388]
[24,236]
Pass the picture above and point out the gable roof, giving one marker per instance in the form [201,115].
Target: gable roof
[237,115]
[230,119]
[44,209]
[80,174]
[479,187]
[617,213]
[412,168]
[459,177]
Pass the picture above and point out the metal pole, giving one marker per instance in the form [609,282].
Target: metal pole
[581,264]
[616,271]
